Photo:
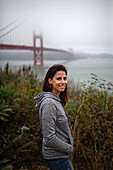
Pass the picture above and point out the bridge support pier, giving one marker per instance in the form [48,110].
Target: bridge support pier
[38,55]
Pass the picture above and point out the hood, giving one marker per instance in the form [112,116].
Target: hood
[40,97]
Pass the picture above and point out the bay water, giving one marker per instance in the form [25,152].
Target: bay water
[78,69]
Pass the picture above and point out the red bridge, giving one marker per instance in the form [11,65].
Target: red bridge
[38,51]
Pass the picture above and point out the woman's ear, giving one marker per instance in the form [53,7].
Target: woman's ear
[50,81]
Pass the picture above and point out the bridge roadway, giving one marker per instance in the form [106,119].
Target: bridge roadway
[23,47]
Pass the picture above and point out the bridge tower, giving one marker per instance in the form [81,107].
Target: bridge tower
[38,54]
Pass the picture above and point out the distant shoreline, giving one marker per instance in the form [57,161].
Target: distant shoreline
[23,55]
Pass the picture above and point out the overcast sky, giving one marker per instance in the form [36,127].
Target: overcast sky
[85,25]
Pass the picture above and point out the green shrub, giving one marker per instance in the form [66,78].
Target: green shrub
[91,122]
[90,110]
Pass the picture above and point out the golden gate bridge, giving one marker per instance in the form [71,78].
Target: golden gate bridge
[37,51]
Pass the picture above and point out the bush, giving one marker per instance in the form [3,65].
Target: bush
[20,136]
[90,110]
[91,122]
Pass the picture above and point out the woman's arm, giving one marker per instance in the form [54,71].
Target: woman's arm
[48,120]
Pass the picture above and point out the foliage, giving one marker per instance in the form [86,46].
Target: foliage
[20,136]
[91,122]
[90,114]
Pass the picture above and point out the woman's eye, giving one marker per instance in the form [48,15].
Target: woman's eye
[59,78]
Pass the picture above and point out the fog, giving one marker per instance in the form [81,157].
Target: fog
[81,25]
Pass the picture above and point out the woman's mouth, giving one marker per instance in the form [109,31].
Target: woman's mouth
[62,87]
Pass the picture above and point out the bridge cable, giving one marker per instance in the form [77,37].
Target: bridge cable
[12,29]
[9,24]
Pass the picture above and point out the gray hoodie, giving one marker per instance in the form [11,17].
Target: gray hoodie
[57,140]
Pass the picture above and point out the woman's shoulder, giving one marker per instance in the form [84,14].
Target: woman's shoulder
[51,103]
[48,101]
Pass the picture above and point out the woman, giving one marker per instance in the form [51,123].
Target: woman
[57,144]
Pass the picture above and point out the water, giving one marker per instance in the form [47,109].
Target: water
[78,70]
[81,69]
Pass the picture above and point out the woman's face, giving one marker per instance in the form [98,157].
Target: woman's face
[59,82]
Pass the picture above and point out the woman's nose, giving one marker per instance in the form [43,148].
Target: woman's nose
[63,81]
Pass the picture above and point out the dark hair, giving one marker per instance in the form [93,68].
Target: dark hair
[50,74]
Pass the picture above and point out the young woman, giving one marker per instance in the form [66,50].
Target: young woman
[57,144]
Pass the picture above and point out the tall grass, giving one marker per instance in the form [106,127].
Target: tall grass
[91,122]
[90,110]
